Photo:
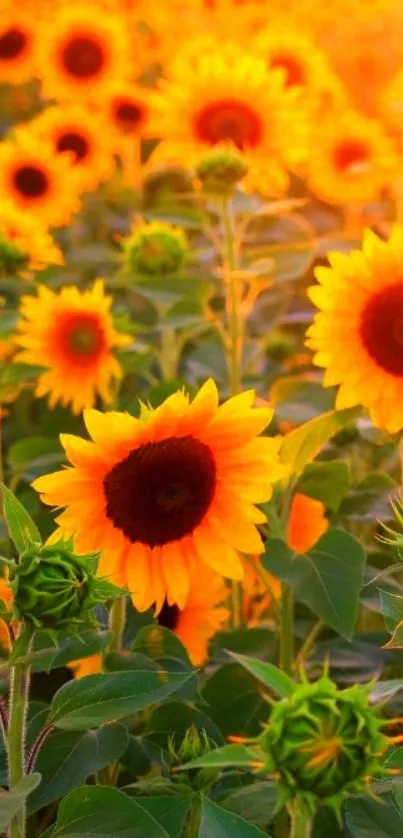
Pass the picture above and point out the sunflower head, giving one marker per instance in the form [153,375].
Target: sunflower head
[323,743]
[24,242]
[220,170]
[156,248]
[53,588]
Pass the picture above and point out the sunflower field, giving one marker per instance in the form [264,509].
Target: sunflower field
[201,409]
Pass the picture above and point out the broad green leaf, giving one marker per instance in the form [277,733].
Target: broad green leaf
[370,498]
[271,676]
[303,444]
[98,699]
[34,455]
[217,823]
[297,400]
[392,608]
[183,314]
[68,758]
[384,690]
[103,812]
[227,757]
[255,802]
[45,657]
[328,579]
[395,761]
[21,527]
[11,801]
[169,291]
[235,701]
[327,482]
[396,641]
[368,818]
[164,647]
[168,810]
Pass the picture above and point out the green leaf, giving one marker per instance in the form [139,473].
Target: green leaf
[183,314]
[395,761]
[172,719]
[98,699]
[368,818]
[20,525]
[45,657]
[303,444]
[34,455]
[11,801]
[396,641]
[235,701]
[68,758]
[164,647]
[392,609]
[103,812]
[217,823]
[226,757]
[168,291]
[382,691]
[271,676]
[327,482]
[169,811]
[328,579]
[255,802]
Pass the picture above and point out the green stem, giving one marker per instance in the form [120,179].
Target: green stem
[117,619]
[18,705]
[307,645]
[301,826]
[169,355]
[287,629]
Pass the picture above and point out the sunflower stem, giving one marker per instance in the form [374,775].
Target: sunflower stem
[301,825]
[169,355]
[18,705]
[309,642]
[117,619]
[286,629]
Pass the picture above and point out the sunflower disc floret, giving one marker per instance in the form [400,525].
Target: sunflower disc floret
[54,588]
[323,743]
[156,249]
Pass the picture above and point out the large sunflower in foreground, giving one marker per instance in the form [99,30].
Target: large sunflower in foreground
[24,242]
[358,333]
[352,159]
[166,493]
[81,135]
[37,180]
[17,39]
[71,334]
[226,95]
[80,51]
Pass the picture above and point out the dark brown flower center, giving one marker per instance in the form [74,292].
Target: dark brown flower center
[231,121]
[295,72]
[349,154]
[162,490]
[128,114]
[381,328]
[74,142]
[12,44]
[83,57]
[168,616]
[30,181]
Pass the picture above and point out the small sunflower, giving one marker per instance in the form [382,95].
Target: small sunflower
[80,51]
[226,95]
[352,159]
[126,109]
[164,494]
[36,180]
[304,65]
[357,334]
[17,40]
[24,242]
[306,524]
[71,333]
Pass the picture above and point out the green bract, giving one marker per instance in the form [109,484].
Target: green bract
[156,248]
[54,588]
[220,170]
[323,743]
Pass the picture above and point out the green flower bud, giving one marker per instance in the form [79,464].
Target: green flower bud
[394,537]
[156,249]
[194,744]
[12,259]
[323,743]
[54,588]
[220,170]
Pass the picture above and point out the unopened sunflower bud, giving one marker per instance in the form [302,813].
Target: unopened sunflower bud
[195,743]
[53,588]
[156,249]
[220,170]
[323,743]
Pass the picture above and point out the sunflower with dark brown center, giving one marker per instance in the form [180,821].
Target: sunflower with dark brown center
[17,42]
[164,495]
[358,333]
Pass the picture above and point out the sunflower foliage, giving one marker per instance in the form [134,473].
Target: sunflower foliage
[201,367]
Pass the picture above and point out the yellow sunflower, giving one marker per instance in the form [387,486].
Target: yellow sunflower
[25,241]
[126,109]
[164,494]
[226,95]
[71,333]
[352,160]
[80,51]
[37,180]
[84,137]
[17,40]
[358,333]
[302,62]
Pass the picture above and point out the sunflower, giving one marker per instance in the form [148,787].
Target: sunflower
[164,494]
[81,135]
[306,523]
[17,40]
[358,333]
[302,62]
[352,159]
[80,51]
[36,180]
[226,95]
[71,333]
[24,242]
[126,109]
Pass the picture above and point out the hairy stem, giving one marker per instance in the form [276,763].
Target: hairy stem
[18,705]
[39,741]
